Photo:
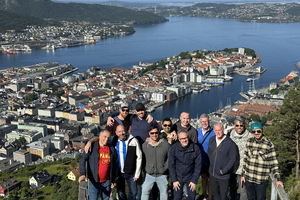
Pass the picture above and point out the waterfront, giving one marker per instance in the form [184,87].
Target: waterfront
[277,44]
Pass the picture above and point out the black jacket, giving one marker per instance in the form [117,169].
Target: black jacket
[93,163]
[185,163]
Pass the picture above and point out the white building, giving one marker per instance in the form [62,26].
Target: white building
[158,97]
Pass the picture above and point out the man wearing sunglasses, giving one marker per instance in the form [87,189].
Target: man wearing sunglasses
[166,132]
[156,154]
[259,161]
[240,136]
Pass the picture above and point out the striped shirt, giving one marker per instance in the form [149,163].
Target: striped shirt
[121,149]
[259,161]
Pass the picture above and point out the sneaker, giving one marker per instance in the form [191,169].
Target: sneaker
[111,198]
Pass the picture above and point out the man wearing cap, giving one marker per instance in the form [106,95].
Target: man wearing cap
[122,119]
[259,161]
[239,136]
[139,124]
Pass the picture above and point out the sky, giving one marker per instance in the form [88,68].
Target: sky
[216,1]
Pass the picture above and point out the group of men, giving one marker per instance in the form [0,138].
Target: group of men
[135,149]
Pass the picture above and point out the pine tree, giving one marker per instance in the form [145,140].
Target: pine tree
[284,132]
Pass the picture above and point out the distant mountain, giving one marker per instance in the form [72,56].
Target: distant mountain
[13,21]
[79,11]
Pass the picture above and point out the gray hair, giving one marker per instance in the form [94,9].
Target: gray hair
[204,116]
[241,120]
[181,132]
[219,124]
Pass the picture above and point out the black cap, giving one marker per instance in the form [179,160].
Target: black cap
[140,106]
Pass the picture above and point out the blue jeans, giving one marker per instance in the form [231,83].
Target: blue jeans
[178,193]
[131,185]
[162,184]
[256,191]
[99,188]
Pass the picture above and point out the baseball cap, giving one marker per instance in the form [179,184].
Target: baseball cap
[256,125]
[140,106]
[124,104]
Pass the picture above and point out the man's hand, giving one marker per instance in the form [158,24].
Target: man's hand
[174,135]
[221,172]
[192,186]
[82,178]
[149,119]
[147,139]
[113,185]
[134,179]
[279,183]
[87,147]
[243,180]
[176,185]
[110,121]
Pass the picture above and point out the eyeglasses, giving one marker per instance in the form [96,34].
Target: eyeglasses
[239,125]
[167,125]
[183,138]
[125,110]
[256,131]
[139,110]
[152,133]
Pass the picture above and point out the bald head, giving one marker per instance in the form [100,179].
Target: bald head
[120,132]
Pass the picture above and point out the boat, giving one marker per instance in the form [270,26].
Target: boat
[150,109]
[249,79]
[195,90]
[49,47]
[228,78]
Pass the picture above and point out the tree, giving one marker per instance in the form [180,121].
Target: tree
[22,140]
[32,96]
[284,132]
[255,117]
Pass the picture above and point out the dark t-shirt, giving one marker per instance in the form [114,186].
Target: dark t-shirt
[126,123]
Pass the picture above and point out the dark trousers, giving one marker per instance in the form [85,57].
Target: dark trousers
[256,191]
[178,193]
[234,183]
[219,188]
[131,185]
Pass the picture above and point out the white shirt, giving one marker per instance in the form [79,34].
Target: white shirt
[219,142]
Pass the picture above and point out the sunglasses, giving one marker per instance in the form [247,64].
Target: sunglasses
[239,125]
[183,138]
[167,125]
[256,131]
[140,110]
[125,110]
[152,133]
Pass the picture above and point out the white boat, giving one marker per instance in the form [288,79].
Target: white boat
[150,109]
[249,79]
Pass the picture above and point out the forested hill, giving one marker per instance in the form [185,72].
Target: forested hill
[12,21]
[79,11]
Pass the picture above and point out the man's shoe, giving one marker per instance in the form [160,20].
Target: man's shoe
[111,198]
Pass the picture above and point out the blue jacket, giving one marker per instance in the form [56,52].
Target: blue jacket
[140,128]
[93,163]
[185,163]
[223,159]
[204,146]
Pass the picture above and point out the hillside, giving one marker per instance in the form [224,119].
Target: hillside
[79,12]
[12,21]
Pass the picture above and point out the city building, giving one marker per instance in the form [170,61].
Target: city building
[8,186]
[39,180]
[23,156]
[38,150]
[74,174]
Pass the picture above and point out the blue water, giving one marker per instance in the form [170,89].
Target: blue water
[278,44]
